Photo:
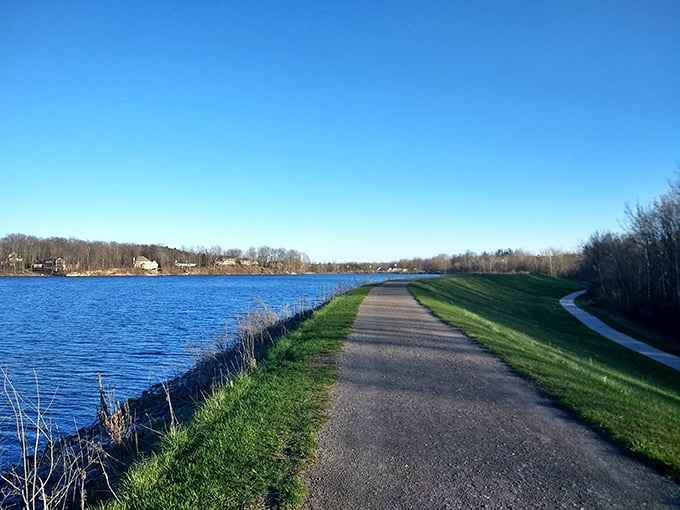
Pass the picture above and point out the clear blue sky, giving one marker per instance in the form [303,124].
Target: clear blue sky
[350,130]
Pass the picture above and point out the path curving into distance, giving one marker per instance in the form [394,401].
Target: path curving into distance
[422,417]
[610,333]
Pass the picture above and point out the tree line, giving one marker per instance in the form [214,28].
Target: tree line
[637,272]
[550,261]
[18,253]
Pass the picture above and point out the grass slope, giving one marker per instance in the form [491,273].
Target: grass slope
[245,447]
[519,318]
[637,330]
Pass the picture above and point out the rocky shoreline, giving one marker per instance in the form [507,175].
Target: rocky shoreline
[93,460]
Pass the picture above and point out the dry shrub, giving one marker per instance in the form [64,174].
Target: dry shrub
[52,472]
[253,328]
[118,423]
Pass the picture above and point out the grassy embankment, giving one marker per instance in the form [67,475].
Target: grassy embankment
[518,317]
[246,445]
[637,330]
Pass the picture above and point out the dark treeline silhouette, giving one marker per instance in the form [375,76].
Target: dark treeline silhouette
[637,272]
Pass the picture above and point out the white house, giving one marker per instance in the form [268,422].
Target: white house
[226,261]
[185,264]
[142,262]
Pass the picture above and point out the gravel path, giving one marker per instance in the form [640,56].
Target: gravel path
[610,333]
[422,418]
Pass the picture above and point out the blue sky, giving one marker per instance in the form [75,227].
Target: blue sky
[347,130]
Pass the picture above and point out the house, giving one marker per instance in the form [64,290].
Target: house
[14,261]
[226,261]
[248,262]
[53,265]
[142,262]
[185,264]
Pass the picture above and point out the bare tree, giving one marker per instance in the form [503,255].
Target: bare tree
[638,272]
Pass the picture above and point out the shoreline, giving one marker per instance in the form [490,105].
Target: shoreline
[145,418]
[115,274]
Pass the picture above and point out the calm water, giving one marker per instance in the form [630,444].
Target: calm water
[135,331]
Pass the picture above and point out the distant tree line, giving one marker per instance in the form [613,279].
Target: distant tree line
[550,261]
[18,252]
[637,272]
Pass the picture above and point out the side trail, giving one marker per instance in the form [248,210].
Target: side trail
[610,333]
[423,418]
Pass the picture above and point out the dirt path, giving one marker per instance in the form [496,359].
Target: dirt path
[422,418]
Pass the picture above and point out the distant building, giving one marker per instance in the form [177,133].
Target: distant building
[56,266]
[142,262]
[14,261]
[226,261]
[248,262]
[396,269]
[185,265]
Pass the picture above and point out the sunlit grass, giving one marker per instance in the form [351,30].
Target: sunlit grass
[246,445]
[518,317]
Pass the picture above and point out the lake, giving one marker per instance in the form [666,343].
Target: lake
[134,331]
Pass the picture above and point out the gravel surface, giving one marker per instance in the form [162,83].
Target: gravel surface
[422,418]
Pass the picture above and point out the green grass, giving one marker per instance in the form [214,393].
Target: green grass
[642,332]
[633,399]
[246,445]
